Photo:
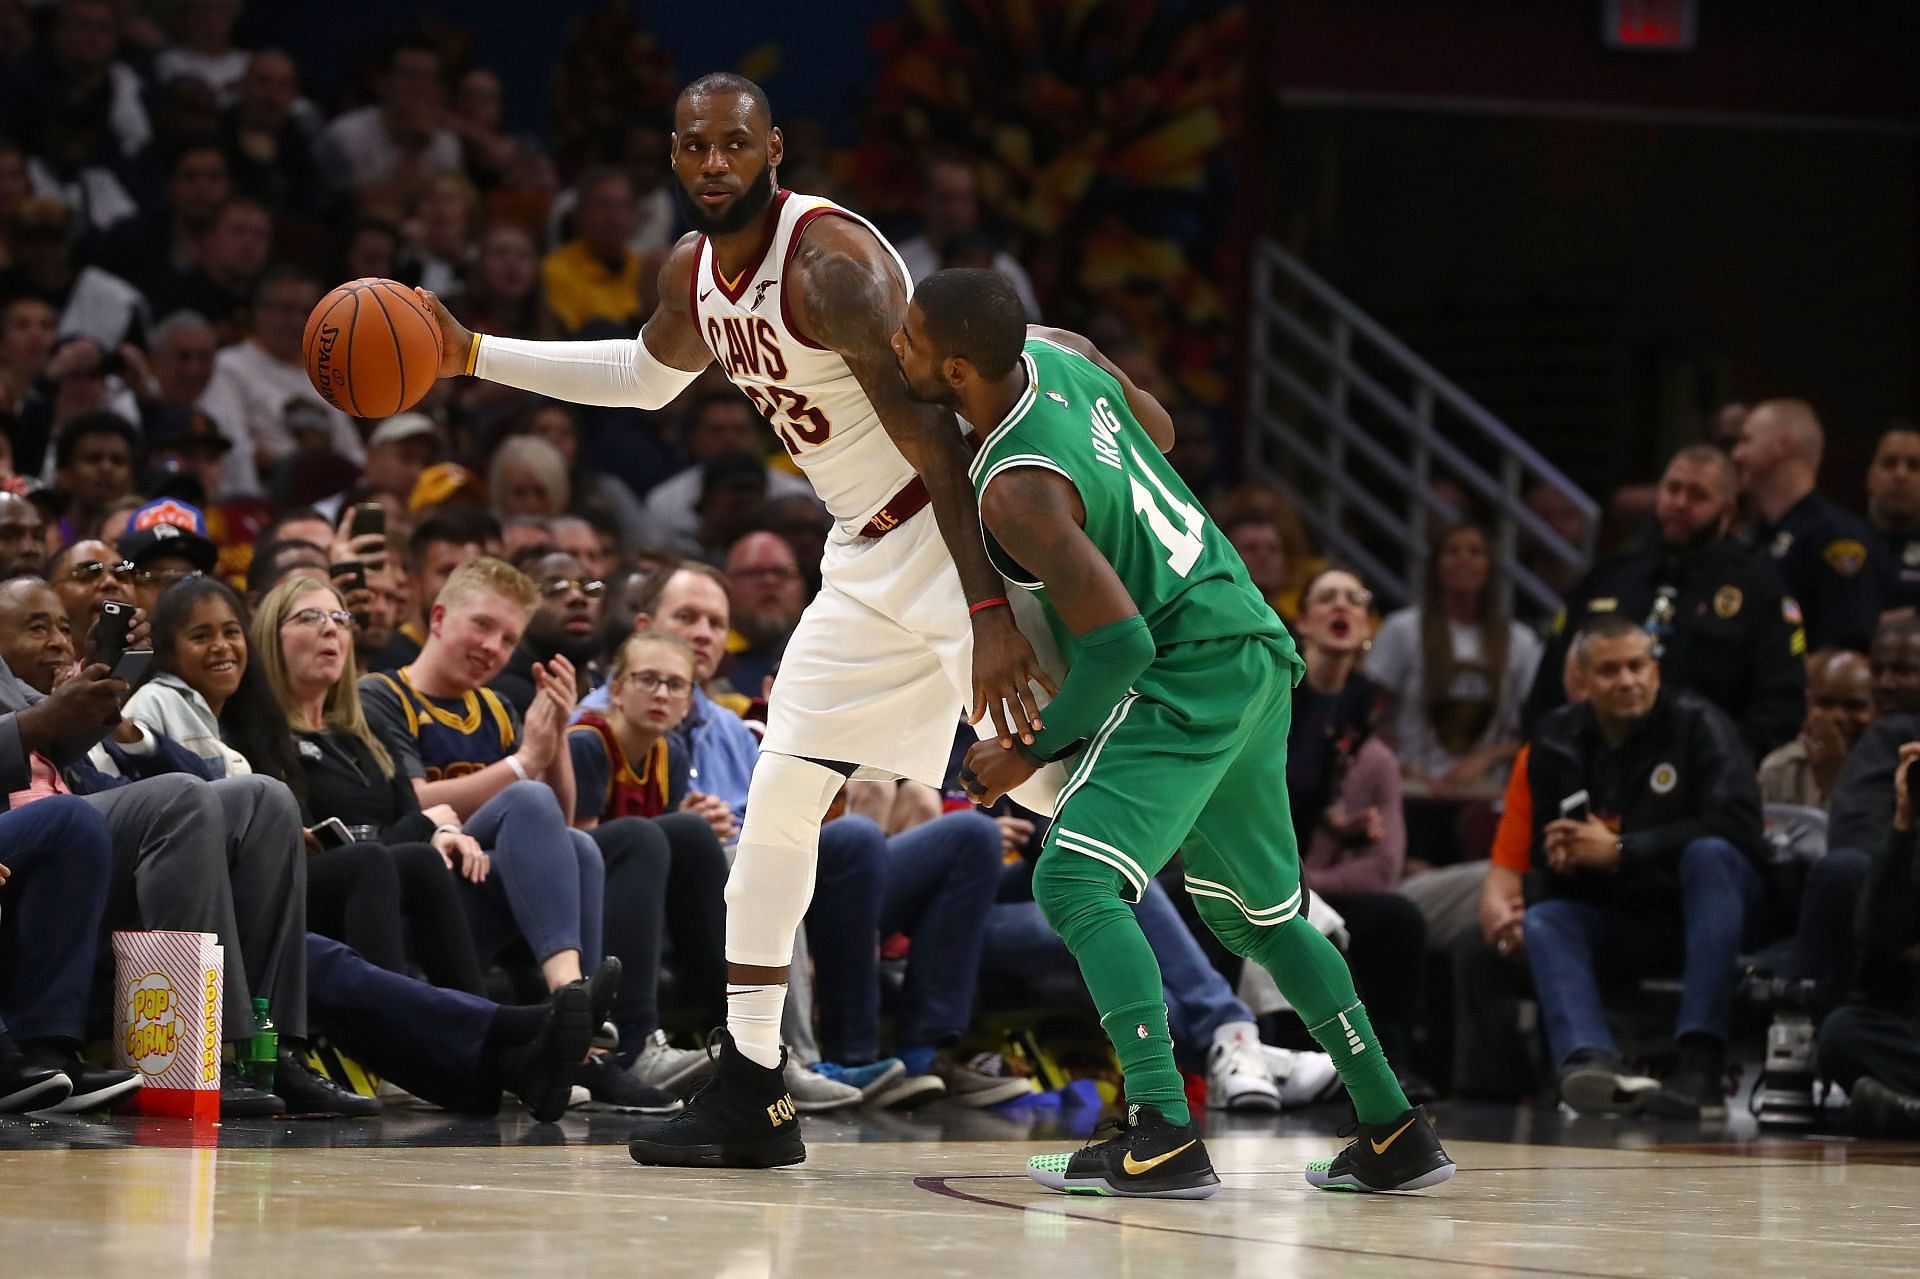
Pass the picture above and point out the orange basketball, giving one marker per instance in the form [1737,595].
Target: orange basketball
[372,347]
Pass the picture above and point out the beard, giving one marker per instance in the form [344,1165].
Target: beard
[739,215]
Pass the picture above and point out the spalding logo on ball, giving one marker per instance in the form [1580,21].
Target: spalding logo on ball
[373,348]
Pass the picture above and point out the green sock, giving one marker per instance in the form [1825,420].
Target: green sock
[1145,1047]
[1313,975]
[1081,900]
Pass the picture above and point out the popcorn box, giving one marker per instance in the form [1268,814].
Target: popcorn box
[168,1024]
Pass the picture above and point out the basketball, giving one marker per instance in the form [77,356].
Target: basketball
[372,348]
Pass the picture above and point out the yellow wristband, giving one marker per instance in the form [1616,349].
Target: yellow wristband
[473,355]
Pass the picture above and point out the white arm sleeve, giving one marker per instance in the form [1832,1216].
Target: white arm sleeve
[616,373]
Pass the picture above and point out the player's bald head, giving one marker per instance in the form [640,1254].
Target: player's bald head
[1792,423]
[723,84]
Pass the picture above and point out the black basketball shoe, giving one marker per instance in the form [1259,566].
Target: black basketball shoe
[1403,1155]
[743,1117]
[1146,1158]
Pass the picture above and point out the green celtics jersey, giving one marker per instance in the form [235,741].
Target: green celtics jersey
[1184,576]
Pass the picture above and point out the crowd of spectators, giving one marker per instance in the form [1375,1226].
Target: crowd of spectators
[452,714]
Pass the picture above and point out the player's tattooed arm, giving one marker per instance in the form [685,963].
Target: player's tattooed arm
[849,298]
[1146,409]
[672,333]
[1036,515]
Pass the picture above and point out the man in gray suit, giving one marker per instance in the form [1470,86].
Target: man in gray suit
[225,858]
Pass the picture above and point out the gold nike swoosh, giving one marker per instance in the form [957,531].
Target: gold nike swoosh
[1134,1167]
[1380,1147]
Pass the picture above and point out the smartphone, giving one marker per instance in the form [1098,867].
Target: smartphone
[132,666]
[110,634]
[332,833]
[368,518]
[1576,807]
[355,573]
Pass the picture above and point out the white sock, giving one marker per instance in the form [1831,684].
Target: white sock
[753,1019]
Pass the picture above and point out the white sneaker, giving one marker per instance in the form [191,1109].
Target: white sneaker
[813,1092]
[674,1070]
[1303,1078]
[1237,1074]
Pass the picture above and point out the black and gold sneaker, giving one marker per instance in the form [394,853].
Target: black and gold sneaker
[1403,1155]
[1145,1158]
[743,1117]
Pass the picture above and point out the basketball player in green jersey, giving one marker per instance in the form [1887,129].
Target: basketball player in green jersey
[1175,706]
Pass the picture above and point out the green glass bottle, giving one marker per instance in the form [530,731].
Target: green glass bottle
[263,1050]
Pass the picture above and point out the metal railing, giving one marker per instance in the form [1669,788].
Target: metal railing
[1357,429]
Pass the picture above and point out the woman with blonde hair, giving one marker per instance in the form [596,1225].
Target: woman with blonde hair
[528,476]
[303,643]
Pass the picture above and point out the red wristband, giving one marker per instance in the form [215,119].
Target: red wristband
[996,602]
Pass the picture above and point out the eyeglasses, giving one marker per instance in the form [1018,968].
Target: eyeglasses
[561,585]
[162,577]
[87,572]
[653,682]
[318,617]
[1358,598]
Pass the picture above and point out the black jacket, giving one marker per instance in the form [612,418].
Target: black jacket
[1861,810]
[1681,776]
[1890,927]
[344,781]
[1731,637]
[1830,561]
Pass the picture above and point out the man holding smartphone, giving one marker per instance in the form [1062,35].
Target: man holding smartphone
[1646,831]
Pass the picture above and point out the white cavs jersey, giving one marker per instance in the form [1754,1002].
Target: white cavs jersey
[808,394]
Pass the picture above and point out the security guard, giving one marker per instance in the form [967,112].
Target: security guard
[1893,509]
[1827,559]
[1720,623]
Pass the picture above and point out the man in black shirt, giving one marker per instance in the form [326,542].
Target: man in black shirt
[1722,625]
[564,623]
[1646,824]
[1893,509]
[1828,559]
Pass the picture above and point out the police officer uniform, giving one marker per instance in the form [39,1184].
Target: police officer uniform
[1902,586]
[1721,626]
[1830,561]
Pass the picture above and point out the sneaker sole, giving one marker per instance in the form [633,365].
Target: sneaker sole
[615,1108]
[1601,1092]
[1253,1102]
[16,1102]
[1200,1189]
[1323,1180]
[980,1098]
[80,1103]
[913,1091]
[777,1152]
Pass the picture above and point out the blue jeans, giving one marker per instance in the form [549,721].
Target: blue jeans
[1569,944]
[843,934]
[61,858]
[548,880]
[1019,942]
[941,879]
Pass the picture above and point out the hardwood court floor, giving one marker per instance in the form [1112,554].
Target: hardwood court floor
[110,1197]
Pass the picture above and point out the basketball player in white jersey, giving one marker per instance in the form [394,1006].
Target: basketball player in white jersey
[798,300]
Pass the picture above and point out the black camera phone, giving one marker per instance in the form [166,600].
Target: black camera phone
[354,571]
[110,633]
[369,518]
[1576,807]
[132,665]
[331,833]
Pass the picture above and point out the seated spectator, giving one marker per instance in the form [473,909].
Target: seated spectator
[1557,511]
[445,222]
[91,301]
[526,537]
[801,521]
[591,489]
[205,49]
[1646,825]
[400,449]
[166,542]
[375,248]
[624,763]
[94,459]
[1862,801]
[564,624]
[85,574]
[1828,559]
[768,594]
[78,70]
[379,154]
[23,542]
[479,117]
[528,477]
[732,489]
[166,240]
[72,164]
[273,562]
[1871,1045]
[503,296]
[375,629]
[950,209]
[717,424]
[440,544]
[594,541]
[269,152]
[1724,626]
[180,358]
[1261,547]
[1253,503]
[258,385]
[1453,671]
[53,897]
[222,280]
[424,862]
[1344,786]
[597,277]
[1893,510]
[1839,708]
[511,785]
